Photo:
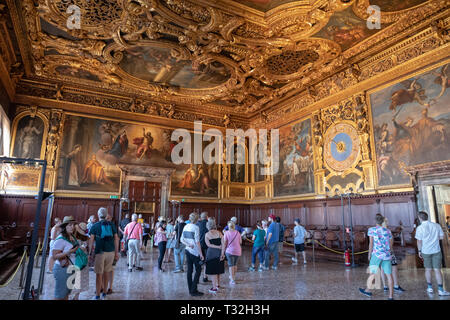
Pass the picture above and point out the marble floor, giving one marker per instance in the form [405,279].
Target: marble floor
[318,280]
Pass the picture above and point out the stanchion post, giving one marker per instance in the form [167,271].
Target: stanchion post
[22,272]
[45,245]
[26,294]
[343,223]
[351,230]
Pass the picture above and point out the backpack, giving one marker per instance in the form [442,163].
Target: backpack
[81,258]
[281,235]
[106,232]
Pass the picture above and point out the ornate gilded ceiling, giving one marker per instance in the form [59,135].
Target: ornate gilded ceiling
[227,57]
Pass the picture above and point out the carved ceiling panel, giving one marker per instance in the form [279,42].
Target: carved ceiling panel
[238,56]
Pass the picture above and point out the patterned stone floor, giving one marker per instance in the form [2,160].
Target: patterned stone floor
[319,280]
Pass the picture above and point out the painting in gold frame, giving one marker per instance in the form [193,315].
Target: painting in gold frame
[296,166]
[29,136]
[411,123]
[144,207]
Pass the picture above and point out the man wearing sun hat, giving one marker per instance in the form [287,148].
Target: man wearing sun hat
[104,233]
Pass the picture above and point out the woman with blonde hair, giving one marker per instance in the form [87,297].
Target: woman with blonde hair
[233,249]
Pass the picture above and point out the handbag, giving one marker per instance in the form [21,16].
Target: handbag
[213,253]
[126,240]
[81,258]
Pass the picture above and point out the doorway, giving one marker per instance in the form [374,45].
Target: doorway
[439,204]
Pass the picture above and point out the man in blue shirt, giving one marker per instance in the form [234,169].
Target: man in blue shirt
[273,236]
[299,241]
[238,227]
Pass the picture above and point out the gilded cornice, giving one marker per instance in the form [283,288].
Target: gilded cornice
[83,101]
[417,51]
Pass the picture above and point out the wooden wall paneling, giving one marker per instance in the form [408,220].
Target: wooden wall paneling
[334,214]
[315,214]
[72,207]
[397,212]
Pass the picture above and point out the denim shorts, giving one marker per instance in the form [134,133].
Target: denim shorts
[232,259]
[61,275]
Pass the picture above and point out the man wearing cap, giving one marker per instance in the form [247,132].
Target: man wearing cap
[104,233]
[273,236]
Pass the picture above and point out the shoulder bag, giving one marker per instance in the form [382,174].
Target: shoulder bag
[127,238]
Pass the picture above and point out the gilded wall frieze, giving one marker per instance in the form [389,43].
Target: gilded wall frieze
[139,106]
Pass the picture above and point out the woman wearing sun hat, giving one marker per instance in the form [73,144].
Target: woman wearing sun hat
[82,237]
[64,252]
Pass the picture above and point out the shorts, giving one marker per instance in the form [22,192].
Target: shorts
[432,261]
[104,262]
[232,259]
[299,247]
[376,262]
[61,276]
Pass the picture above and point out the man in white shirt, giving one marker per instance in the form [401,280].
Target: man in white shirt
[428,235]
[191,239]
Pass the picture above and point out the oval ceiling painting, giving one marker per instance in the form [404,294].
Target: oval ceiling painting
[158,66]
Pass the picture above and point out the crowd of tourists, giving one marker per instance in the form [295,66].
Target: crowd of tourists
[201,249]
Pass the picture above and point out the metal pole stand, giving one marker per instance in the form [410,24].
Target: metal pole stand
[354,265]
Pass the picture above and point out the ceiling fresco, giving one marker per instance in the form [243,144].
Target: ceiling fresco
[203,54]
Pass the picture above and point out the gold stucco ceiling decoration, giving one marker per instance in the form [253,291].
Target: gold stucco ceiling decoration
[232,54]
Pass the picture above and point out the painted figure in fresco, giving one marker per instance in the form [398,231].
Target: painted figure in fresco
[189,177]
[28,139]
[414,92]
[443,79]
[350,31]
[74,158]
[168,145]
[120,145]
[106,136]
[94,173]
[203,179]
[144,145]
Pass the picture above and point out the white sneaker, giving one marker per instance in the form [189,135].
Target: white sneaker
[294,260]
[443,293]
[232,282]
[103,296]
[430,290]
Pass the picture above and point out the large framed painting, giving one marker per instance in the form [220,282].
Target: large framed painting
[411,123]
[296,168]
[92,148]
[196,180]
[29,133]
